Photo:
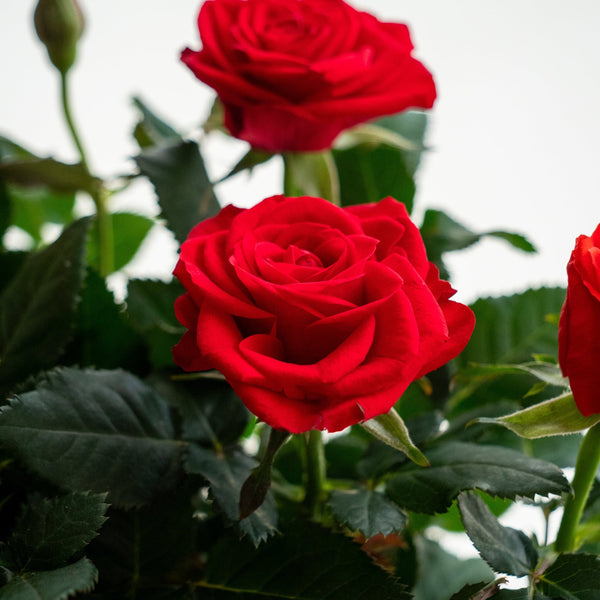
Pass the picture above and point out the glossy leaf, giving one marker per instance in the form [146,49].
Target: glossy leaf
[106,431]
[38,306]
[179,177]
[505,549]
[59,584]
[306,563]
[510,329]
[572,576]
[459,466]
[367,511]
[50,531]
[226,475]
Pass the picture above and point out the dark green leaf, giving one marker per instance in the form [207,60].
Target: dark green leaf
[478,591]
[151,130]
[129,232]
[106,431]
[505,549]
[6,211]
[184,191]
[343,453]
[150,310]
[52,585]
[10,263]
[573,577]
[226,475]
[251,159]
[34,207]
[51,531]
[441,574]
[38,306]
[458,466]
[306,563]
[367,511]
[10,150]
[370,174]
[443,234]
[212,414]
[511,328]
[102,337]
[58,176]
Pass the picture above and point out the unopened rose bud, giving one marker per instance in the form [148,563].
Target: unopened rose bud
[59,25]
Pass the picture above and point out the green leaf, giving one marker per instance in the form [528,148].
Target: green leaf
[306,563]
[557,416]
[129,231]
[52,585]
[226,475]
[311,174]
[50,531]
[34,207]
[443,234]
[547,373]
[179,177]
[251,159]
[459,466]
[511,328]
[505,549]
[390,429]
[102,336]
[440,574]
[106,431]
[367,511]
[6,211]
[479,591]
[211,412]
[150,310]
[38,306]
[50,173]
[10,263]
[151,130]
[573,577]
[368,174]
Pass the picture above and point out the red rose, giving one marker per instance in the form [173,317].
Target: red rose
[293,74]
[319,317]
[579,327]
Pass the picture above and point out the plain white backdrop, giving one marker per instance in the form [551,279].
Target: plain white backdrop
[513,136]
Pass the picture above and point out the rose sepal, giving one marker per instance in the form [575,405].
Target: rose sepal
[256,487]
[391,430]
[557,416]
[375,135]
[311,174]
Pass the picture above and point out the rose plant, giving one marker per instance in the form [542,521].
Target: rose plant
[126,474]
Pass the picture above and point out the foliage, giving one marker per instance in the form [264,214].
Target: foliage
[120,476]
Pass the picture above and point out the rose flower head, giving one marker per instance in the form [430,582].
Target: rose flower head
[579,326]
[293,74]
[319,317]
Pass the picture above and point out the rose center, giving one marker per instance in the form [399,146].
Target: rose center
[309,260]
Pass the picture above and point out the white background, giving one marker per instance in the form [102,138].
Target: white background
[513,136]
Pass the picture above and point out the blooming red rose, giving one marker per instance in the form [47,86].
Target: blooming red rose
[292,74]
[319,317]
[579,327]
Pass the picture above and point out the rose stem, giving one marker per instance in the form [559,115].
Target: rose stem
[97,192]
[585,471]
[315,471]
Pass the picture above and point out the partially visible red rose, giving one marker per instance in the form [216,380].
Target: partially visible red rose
[319,317]
[293,74]
[579,327]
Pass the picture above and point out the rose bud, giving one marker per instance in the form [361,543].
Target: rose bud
[319,317]
[59,25]
[293,75]
[579,326]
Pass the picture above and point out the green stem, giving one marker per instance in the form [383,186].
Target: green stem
[98,192]
[315,472]
[588,460]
